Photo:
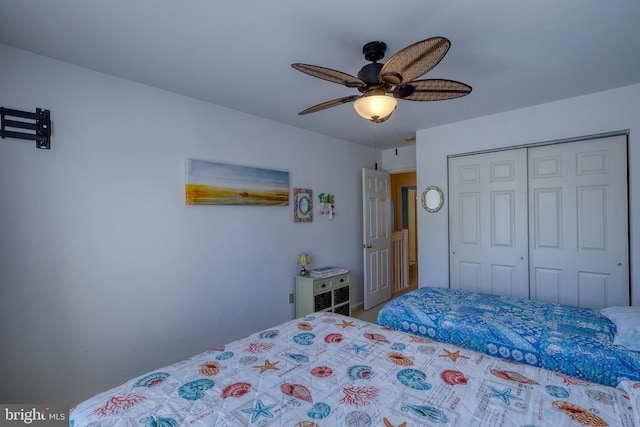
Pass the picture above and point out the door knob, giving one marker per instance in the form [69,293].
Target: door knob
[366,246]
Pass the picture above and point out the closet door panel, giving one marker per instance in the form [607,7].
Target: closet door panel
[503,279]
[592,218]
[502,218]
[547,282]
[488,218]
[470,274]
[592,289]
[470,219]
[547,208]
[578,192]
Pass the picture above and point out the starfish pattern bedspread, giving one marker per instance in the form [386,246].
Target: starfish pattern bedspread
[331,370]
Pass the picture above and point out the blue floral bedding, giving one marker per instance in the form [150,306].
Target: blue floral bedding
[571,340]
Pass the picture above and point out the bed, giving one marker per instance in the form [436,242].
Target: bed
[332,370]
[579,342]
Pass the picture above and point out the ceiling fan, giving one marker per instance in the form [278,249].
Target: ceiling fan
[396,78]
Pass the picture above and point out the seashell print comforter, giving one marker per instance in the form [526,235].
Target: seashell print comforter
[331,370]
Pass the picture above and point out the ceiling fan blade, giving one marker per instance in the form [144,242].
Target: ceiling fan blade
[431,90]
[329,104]
[329,75]
[415,60]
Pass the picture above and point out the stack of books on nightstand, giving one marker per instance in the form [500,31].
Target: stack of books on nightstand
[327,271]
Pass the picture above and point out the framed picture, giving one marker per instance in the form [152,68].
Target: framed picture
[211,183]
[302,205]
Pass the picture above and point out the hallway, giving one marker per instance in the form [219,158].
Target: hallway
[371,315]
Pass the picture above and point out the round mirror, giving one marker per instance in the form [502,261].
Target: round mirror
[432,198]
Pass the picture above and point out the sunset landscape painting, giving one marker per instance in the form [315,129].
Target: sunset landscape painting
[211,183]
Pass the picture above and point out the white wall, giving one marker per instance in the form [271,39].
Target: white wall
[105,273]
[402,159]
[597,113]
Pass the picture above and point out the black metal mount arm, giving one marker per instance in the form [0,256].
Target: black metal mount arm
[42,126]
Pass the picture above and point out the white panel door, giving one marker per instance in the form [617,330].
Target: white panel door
[488,223]
[376,206]
[579,252]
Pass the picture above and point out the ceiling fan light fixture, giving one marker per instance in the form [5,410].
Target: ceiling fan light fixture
[375,107]
[376,81]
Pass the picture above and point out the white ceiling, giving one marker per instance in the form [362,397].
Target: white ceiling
[514,53]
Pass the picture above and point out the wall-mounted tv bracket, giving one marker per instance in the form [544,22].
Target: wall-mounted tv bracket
[42,126]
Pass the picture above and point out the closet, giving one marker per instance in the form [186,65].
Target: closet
[546,222]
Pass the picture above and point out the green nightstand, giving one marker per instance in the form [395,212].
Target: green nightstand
[332,293]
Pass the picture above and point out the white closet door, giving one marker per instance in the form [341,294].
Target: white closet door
[578,230]
[488,223]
